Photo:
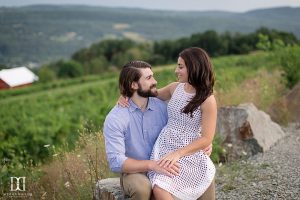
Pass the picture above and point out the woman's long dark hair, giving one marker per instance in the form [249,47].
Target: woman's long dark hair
[200,76]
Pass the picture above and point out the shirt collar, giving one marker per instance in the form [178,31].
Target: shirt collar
[150,106]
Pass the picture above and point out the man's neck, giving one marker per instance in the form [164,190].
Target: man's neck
[141,102]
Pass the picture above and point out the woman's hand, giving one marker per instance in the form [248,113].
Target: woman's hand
[123,101]
[169,171]
[208,150]
[170,159]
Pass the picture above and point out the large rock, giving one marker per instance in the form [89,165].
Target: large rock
[246,130]
[108,189]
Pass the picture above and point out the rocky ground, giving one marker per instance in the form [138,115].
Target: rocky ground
[274,174]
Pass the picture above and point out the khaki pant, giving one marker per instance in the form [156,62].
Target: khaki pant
[138,187]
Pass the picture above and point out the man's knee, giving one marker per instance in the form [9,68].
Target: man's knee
[137,186]
[142,188]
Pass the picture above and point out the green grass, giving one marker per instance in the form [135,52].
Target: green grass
[232,70]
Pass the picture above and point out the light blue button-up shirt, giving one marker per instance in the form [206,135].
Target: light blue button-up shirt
[131,133]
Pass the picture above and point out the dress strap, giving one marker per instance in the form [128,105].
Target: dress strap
[178,89]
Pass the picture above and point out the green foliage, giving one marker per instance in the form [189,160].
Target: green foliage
[218,151]
[69,69]
[278,44]
[210,41]
[96,65]
[290,61]
[273,35]
[134,53]
[223,44]
[110,52]
[264,42]
[45,74]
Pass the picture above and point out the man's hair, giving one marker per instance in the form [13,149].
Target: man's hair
[129,74]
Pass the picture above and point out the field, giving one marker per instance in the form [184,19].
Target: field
[52,132]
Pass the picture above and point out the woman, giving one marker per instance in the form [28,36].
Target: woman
[192,113]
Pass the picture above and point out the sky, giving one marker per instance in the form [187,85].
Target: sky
[200,5]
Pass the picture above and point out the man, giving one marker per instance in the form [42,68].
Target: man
[131,132]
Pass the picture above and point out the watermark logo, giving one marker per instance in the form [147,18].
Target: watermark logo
[17,184]
[18,188]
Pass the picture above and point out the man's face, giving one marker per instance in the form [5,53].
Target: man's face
[147,84]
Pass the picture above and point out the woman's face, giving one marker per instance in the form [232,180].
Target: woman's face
[181,71]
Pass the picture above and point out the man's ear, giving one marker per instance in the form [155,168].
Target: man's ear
[134,85]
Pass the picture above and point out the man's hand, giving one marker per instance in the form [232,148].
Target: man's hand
[208,150]
[168,171]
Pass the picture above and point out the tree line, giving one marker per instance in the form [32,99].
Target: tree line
[112,54]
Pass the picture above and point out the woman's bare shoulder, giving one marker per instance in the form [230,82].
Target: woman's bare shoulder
[210,102]
[172,86]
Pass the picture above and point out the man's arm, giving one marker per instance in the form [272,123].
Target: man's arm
[115,149]
[134,166]
[113,131]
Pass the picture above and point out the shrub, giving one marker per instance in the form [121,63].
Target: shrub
[290,62]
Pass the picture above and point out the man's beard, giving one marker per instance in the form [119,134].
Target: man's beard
[146,93]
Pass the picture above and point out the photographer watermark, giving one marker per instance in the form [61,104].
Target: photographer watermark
[18,188]
[17,184]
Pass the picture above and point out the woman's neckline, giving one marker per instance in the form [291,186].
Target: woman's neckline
[184,84]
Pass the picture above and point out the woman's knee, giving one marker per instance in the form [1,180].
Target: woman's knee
[160,193]
[156,191]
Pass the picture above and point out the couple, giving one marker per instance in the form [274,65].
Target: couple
[162,148]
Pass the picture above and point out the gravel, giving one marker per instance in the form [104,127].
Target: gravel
[274,174]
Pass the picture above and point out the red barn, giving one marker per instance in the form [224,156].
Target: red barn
[16,77]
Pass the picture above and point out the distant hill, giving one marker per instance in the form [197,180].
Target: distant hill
[43,33]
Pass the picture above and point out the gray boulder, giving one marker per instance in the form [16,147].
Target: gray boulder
[108,189]
[246,130]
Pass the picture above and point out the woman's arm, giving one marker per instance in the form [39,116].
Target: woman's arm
[166,92]
[209,119]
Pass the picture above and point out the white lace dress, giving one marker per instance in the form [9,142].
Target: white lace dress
[197,170]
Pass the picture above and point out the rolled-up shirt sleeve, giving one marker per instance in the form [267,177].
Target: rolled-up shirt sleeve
[114,133]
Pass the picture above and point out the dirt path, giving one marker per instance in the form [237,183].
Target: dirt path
[272,175]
